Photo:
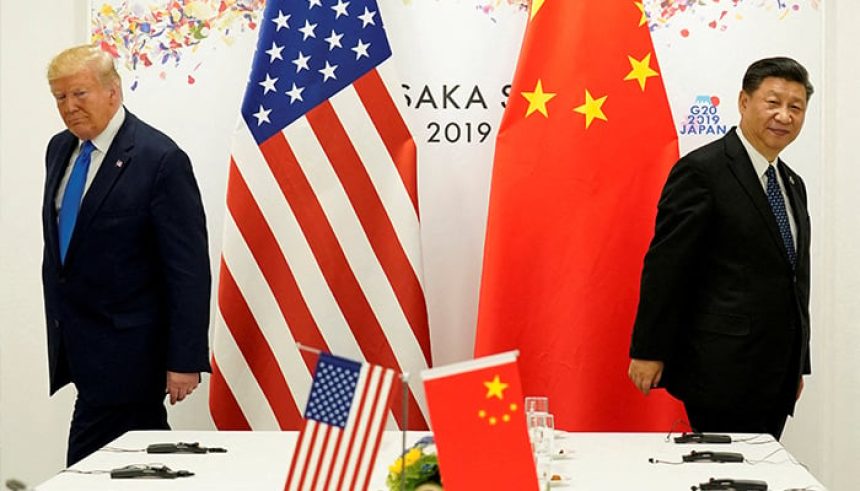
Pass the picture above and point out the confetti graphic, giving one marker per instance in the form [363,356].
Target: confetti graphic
[161,34]
[689,15]
[491,7]
[146,35]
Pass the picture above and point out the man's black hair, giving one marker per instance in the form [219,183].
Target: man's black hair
[780,67]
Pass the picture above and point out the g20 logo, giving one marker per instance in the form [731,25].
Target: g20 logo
[703,118]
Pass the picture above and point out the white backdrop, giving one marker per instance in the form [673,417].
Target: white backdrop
[476,48]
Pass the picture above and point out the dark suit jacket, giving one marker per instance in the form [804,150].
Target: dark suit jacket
[720,304]
[132,300]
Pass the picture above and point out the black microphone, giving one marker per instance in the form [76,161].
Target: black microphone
[732,485]
[148,472]
[703,438]
[695,456]
[182,447]
[16,485]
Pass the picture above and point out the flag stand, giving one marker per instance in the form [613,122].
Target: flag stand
[404,380]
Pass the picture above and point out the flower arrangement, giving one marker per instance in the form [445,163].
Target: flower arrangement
[418,469]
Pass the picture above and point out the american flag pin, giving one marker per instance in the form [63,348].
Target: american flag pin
[118,164]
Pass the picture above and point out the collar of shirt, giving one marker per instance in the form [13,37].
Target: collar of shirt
[759,162]
[102,142]
[105,138]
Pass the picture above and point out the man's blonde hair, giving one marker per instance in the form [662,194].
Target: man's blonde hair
[77,58]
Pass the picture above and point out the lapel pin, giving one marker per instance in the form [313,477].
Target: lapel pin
[119,164]
[791,180]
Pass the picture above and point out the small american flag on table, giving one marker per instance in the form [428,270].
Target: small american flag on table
[344,420]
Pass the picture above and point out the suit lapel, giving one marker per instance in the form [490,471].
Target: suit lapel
[117,159]
[55,170]
[742,168]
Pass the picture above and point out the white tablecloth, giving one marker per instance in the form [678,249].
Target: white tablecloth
[258,461]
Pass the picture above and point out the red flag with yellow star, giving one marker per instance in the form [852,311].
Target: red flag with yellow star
[476,412]
[585,145]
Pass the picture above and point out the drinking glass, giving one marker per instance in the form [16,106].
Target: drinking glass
[537,404]
[541,435]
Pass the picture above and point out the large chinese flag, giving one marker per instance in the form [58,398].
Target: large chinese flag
[476,412]
[583,150]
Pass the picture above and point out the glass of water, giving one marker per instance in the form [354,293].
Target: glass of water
[537,404]
[541,428]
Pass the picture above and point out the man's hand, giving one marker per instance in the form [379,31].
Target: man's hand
[799,388]
[645,374]
[181,385]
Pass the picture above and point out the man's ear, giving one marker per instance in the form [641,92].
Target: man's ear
[743,101]
[116,93]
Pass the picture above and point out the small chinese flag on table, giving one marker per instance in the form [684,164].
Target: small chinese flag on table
[476,413]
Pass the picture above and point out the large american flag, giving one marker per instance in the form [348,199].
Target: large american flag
[321,238]
[344,420]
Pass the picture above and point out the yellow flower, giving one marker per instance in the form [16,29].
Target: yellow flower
[396,467]
[412,456]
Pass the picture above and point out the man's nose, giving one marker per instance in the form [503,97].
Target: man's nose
[783,115]
[68,105]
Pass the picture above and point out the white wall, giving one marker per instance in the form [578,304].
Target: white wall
[829,437]
[33,427]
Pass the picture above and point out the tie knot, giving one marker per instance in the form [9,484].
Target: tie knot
[88,147]
[770,172]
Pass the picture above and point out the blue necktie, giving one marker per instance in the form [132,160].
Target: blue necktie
[777,204]
[72,197]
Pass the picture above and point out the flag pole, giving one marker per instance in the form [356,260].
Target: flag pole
[404,380]
[309,349]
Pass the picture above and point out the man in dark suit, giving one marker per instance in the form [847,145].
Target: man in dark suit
[125,268]
[723,318]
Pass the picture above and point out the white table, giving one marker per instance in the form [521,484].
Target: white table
[259,461]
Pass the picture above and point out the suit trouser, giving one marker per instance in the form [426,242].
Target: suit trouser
[705,419]
[94,426]
[769,420]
